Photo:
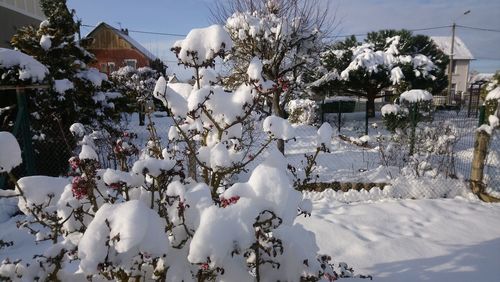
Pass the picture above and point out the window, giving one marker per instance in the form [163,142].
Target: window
[454,66]
[104,68]
[131,63]
[111,67]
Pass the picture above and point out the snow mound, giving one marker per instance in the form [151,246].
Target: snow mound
[29,68]
[133,229]
[63,85]
[112,176]
[88,153]
[173,96]
[324,137]
[151,166]
[10,153]
[254,71]
[93,75]
[77,129]
[390,109]
[415,95]
[46,42]
[205,42]
[278,127]
[42,191]
[267,189]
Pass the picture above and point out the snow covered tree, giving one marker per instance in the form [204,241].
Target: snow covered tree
[76,93]
[151,221]
[386,59]
[137,85]
[492,84]
[285,35]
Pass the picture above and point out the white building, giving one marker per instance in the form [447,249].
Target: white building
[461,62]
[15,14]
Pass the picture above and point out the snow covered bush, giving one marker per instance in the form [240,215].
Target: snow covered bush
[216,204]
[417,145]
[394,117]
[302,111]
[284,37]
[137,85]
[414,106]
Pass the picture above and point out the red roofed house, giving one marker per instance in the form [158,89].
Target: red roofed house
[114,48]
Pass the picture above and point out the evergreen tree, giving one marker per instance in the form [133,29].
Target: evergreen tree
[76,94]
[386,58]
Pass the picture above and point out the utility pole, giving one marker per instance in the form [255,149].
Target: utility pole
[450,67]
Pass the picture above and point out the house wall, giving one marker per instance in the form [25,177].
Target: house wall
[108,47]
[15,14]
[461,75]
[118,57]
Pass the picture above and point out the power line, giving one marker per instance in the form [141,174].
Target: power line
[487,58]
[332,36]
[147,32]
[479,28]
[415,29]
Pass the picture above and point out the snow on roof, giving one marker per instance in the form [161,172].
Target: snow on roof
[493,94]
[481,77]
[127,38]
[460,50]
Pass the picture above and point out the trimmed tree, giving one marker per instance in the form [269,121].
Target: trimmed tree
[387,58]
[285,35]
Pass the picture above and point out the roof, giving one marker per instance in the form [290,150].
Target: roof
[481,77]
[460,50]
[127,38]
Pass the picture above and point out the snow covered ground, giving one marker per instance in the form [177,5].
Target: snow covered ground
[406,232]
[392,240]
[410,240]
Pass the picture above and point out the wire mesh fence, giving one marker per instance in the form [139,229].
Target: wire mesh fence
[444,145]
[353,158]
[492,168]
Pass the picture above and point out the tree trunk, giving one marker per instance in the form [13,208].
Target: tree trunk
[277,111]
[370,105]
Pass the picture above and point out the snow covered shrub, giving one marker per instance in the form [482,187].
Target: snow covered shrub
[185,212]
[302,111]
[304,175]
[137,85]
[433,149]
[394,117]
[414,106]
[284,37]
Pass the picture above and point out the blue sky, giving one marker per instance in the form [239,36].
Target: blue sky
[354,16]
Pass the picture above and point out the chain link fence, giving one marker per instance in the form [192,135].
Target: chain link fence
[352,159]
[492,168]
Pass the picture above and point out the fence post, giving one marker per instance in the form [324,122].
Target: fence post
[22,130]
[482,115]
[481,146]
[478,160]
[339,114]
[413,117]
